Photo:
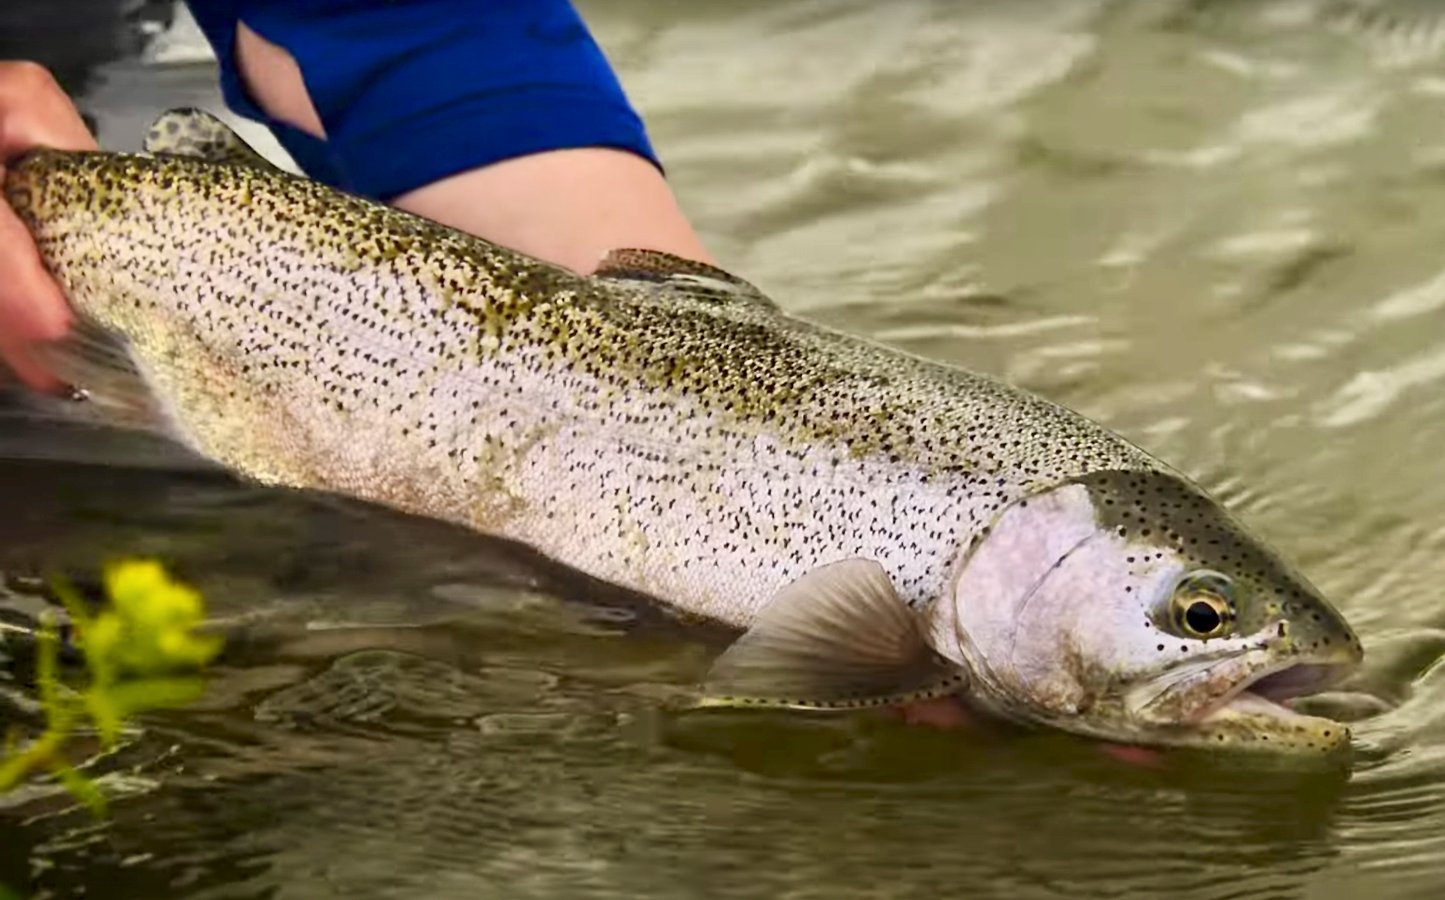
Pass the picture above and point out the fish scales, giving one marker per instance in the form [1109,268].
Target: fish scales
[885,529]
[694,445]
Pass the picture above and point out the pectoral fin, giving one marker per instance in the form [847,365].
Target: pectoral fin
[837,638]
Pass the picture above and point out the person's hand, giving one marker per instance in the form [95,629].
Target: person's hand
[34,112]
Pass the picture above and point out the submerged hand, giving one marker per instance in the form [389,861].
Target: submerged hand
[943,713]
[34,112]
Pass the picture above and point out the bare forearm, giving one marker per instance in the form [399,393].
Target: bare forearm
[565,206]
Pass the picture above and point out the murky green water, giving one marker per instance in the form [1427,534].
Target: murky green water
[1217,227]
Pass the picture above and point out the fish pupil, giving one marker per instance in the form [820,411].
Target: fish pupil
[1201,617]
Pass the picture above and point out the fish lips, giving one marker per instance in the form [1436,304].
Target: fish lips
[1242,691]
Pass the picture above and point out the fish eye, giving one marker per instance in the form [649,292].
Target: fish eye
[1203,604]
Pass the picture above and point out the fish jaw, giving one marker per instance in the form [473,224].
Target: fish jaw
[1243,702]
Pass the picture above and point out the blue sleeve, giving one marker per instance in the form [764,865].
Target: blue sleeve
[410,92]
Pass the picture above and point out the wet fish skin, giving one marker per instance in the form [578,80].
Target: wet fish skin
[376,354]
[661,425]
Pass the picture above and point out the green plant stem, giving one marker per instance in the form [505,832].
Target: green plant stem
[60,714]
[41,754]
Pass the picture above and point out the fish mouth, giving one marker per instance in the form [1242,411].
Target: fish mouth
[1244,701]
[1274,691]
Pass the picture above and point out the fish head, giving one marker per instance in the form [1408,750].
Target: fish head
[1130,606]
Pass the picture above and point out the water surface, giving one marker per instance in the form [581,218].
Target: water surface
[1216,227]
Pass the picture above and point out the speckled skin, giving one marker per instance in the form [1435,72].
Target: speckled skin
[665,427]
[692,443]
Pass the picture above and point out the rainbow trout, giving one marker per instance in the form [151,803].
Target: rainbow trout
[881,527]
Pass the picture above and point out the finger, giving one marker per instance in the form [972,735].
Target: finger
[34,111]
[37,112]
[943,713]
[32,306]
[27,369]
[1129,754]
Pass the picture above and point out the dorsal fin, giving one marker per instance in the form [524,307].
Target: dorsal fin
[187,131]
[687,276]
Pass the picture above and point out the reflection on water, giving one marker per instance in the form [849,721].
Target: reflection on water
[1214,226]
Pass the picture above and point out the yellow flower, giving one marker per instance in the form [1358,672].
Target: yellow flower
[142,651]
[154,617]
